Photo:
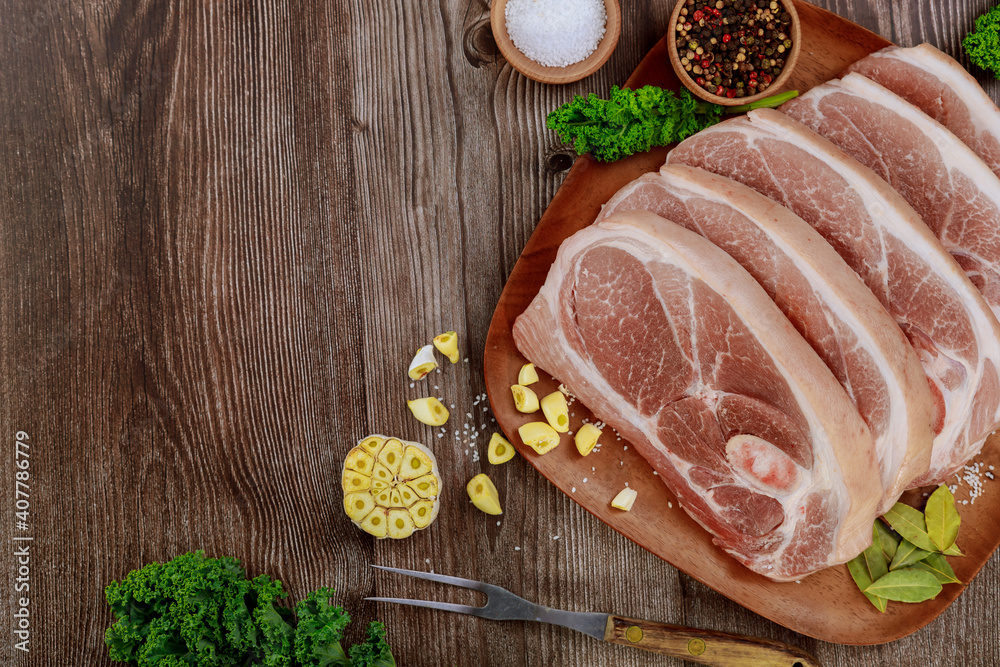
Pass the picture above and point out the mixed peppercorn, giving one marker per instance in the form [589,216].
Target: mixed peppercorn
[733,48]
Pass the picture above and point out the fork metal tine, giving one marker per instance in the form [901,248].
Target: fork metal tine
[440,578]
[443,606]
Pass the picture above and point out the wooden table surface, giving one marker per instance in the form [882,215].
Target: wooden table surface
[224,229]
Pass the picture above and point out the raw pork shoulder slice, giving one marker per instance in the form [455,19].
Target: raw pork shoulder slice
[955,335]
[670,341]
[938,85]
[947,184]
[819,293]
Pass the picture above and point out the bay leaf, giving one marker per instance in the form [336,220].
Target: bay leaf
[859,572]
[942,518]
[953,550]
[906,555]
[875,560]
[907,585]
[887,540]
[938,565]
[910,523]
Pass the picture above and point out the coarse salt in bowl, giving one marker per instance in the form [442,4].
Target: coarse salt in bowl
[555,33]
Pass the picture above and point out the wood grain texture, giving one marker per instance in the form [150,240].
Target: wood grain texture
[224,229]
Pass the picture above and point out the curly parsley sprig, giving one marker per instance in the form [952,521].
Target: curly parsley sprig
[634,121]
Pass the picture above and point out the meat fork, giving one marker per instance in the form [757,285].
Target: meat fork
[701,646]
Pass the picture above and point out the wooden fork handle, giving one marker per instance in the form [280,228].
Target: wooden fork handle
[705,646]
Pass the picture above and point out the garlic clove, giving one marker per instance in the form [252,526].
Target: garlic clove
[483,494]
[539,436]
[382,474]
[372,444]
[391,456]
[586,438]
[623,501]
[354,481]
[525,400]
[415,464]
[556,411]
[358,505]
[359,461]
[499,450]
[447,344]
[426,486]
[527,375]
[423,513]
[375,523]
[423,363]
[428,410]
[399,524]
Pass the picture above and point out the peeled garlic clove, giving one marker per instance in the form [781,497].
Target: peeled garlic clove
[375,523]
[358,505]
[499,451]
[415,464]
[539,436]
[483,494]
[378,499]
[586,437]
[525,400]
[556,411]
[447,344]
[623,501]
[527,375]
[423,363]
[391,455]
[428,410]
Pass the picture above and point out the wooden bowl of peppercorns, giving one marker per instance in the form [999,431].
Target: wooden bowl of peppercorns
[732,52]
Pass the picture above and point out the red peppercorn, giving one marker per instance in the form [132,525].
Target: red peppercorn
[716,13]
[720,90]
[700,81]
[766,78]
[698,15]
[727,38]
[730,93]
[753,75]
[705,63]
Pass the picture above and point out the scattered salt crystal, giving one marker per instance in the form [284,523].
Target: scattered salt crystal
[584,480]
[626,484]
[517,548]
[573,490]
[670,505]
[413,385]
[555,537]
[498,523]
[427,560]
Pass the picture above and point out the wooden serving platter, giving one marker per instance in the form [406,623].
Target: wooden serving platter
[826,605]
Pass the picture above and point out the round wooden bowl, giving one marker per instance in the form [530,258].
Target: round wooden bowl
[698,91]
[570,73]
